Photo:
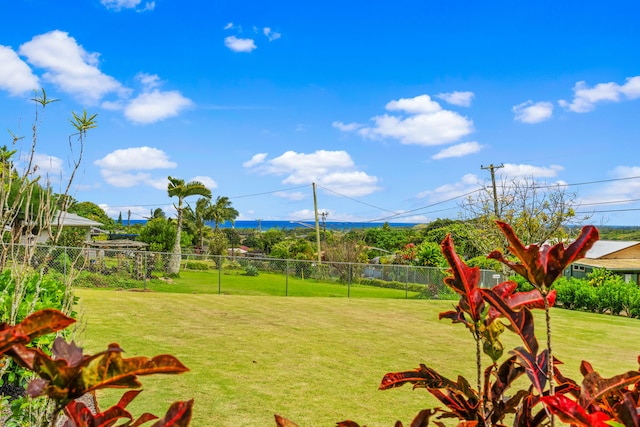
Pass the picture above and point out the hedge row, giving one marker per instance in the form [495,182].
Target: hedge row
[426,291]
[612,296]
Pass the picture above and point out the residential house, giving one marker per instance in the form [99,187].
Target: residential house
[620,257]
[65,219]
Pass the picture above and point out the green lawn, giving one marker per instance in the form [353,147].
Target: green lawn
[314,360]
[234,282]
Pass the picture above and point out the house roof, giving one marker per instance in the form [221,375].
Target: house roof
[611,264]
[73,220]
[606,247]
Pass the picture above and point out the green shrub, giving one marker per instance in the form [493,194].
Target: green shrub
[523,284]
[634,303]
[236,265]
[40,292]
[566,291]
[88,279]
[426,291]
[610,295]
[585,297]
[196,265]
[251,270]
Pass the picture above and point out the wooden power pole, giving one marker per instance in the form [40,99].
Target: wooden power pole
[491,168]
[315,209]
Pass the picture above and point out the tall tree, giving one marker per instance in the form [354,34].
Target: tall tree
[538,212]
[178,188]
[197,218]
[223,211]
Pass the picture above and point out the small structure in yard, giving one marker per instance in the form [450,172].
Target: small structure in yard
[122,250]
[619,257]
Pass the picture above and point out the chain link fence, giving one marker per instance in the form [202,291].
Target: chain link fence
[142,266]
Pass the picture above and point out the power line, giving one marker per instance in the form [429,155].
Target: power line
[612,202]
[356,200]
[270,192]
[404,214]
[610,210]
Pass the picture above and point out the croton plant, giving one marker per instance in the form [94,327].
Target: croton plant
[70,374]
[549,396]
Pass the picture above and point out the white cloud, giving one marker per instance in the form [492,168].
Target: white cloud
[616,191]
[239,45]
[631,89]
[148,6]
[70,67]
[307,168]
[152,104]
[118,5]
[425,123]
[346,127]
[206,180]
[528,112]
[461,99]
[121,168]
[468,183]
[136,158]
[422,104]
[271,35]
[137,212]
[350,183]
[331,169]
[47,165]
[517,171]
[255,160]
[149,81]
[156,105]
[228,26]
[458,150]
[585,98]
[15,75]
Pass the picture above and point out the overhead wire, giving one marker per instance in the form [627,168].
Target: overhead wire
[405,214]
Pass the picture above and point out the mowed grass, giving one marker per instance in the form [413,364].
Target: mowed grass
[315,361]
[234,282]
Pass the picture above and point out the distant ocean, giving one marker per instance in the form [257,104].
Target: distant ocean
[289,225]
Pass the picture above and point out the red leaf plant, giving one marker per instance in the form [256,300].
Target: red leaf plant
[542,266]
[595,402]
[69,374]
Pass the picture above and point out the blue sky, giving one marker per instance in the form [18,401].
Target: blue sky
[391,108]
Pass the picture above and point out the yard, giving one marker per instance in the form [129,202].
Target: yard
[317,360]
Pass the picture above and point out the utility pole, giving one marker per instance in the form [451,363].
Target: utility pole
[492,169]
[315,209]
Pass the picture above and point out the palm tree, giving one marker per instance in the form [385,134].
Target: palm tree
[222,211]
[197,217]
[178,188]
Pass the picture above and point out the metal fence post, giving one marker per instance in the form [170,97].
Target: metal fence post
[145,271]
[286,278]
[220,275]
[349,283]
[64,265]
[406,284]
